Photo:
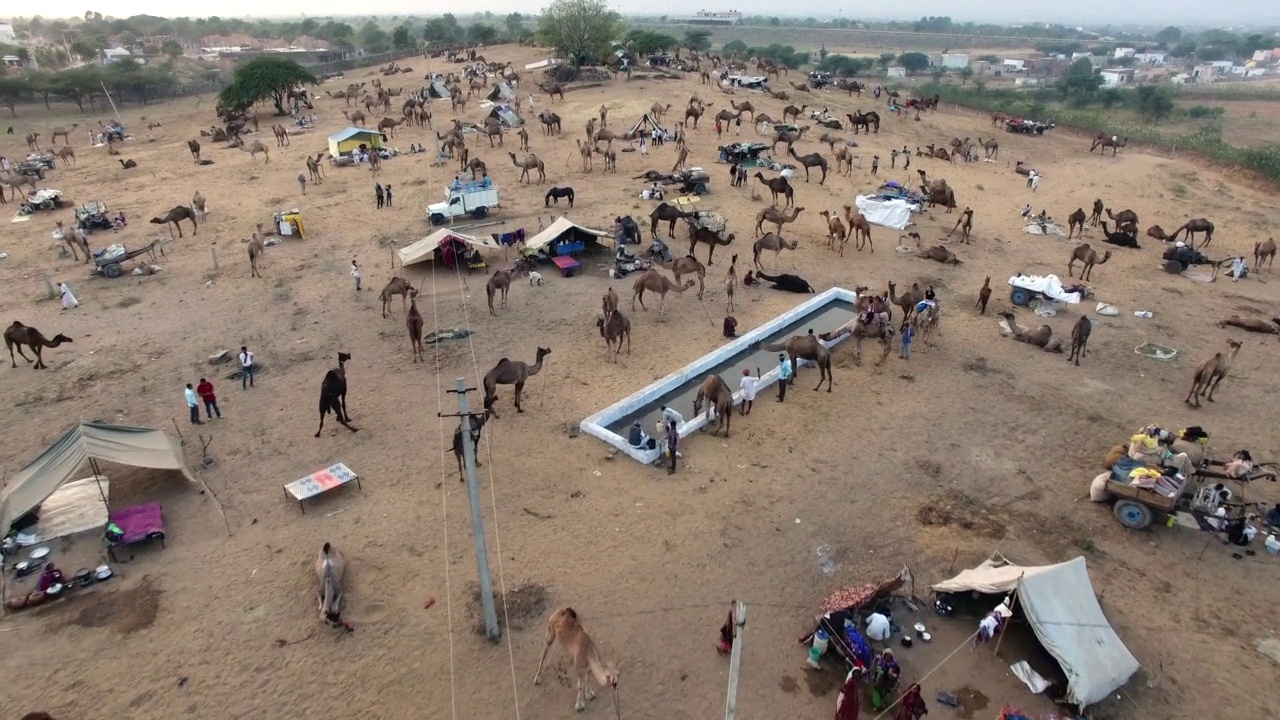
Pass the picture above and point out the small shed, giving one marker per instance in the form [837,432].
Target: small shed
[507,115]
[895,72]
[502,92]
[344,141]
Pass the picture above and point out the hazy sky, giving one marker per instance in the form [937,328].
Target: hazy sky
[1217,13]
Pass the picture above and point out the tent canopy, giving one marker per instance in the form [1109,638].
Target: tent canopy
[648,119]
[561,226]
[507,115]
[423,249]
[344,141]
[1063,611]
[62,461]
[894,214]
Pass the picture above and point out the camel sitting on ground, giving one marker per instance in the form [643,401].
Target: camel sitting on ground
[1257,325]
[653,281]
[499,283]
[937,253]
[687,265]
[17,335]
[774,242]
[614,326]
[807,347]
[75,238]
[1264,251]
[180,212]
[666,212]
[1191,227]
[511,372]
[530,162]
[587,660]
[330,567]
[1041,337]
[718,398]
[1089,257]
[1080,339]
[859,228]
[777,217]
[396,286]
[1209,374]
[333,395]
[1155,232]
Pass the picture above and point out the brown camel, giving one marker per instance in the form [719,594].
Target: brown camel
[356,117]
[774,242]
[1075,223]
[727,117]
[524,139]
[565,628]
[1080,339]
[657,110]
[695,112]
[1155,232]
[550,123]
[964,225]
[844,159]
[530,162]
[687,265]
[389,125]
[314,168]
[907,301]
[74,238]
[333,395]
[1089,257]
[653,281]
[777,217]
[511,372]
[814,160]
[864,121]
[1257,325]
[413,322]
[716,395]
[787,136]
[67,153]
[256,251]
[476,423]
[992,147]
[859,228]
[33,141]
[614,326]
[1041,337]
[198,205]
[253,149]
[1095,217]
[984,296]
[1264,251]
[1209,374]
[807,347]
[552,90]
[180,212]
[194,147]
[282,135]
[938,254]
[609,302]
[1191,227]
[744,107]
[666,212]
[128,164]
[396,286]
[778,186]
[499,283]
[1125,220]
[585,152]
[492,128]
[609,155]
[62,132]
[791,111]
[835,231]
[682,156]
[708,237]
[938,192]
[1105,141]
[731,284]
[18,335]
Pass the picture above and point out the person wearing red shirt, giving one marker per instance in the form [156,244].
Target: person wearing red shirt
[205,391]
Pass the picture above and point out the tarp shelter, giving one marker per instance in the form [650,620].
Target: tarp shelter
[344,142]
[894,214]
[437,89]
[651,123]
[564,229]
[425,248]
[1060,604]
[502,92]
[62,461]
[507,115]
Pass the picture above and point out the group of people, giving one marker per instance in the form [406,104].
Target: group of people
[383,195]
[205,393]
[883,677]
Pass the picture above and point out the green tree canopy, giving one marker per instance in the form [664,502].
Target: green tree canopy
[579,29]
[1154,103]
[401,39]
[439,30]
[12,90]
[885,59]
[1170,34]
[845,66]
[914,62]
[172,48]
[647,42]
[1080,80]
[264,77]
[514,24]
[482,33]
[734,47]
[697,40]
[966,74]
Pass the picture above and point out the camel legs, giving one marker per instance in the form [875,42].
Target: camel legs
[1213,386]
[519,390]
[551,639]
[1194,395]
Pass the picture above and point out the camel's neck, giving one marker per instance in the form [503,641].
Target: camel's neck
[536,368]
[773,347]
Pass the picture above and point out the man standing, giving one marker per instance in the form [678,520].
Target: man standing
[748,387]
[192,405]
[673,443]
[875,164]
[388,191]
[893,159]
[210,399]
[69,301]
[246,368]
[355,273]
[784,375]
[908,336]
[377,192]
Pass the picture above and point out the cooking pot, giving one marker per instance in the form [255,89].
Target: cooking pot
[103,572]
[53,590]
[84,576]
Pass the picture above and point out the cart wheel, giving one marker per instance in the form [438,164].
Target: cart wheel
[1020,297]
[1132,515]
[113,270]
[437,219]
[480,212]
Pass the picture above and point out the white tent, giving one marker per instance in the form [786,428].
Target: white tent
[561,226]
[1063,611]
[894,214]
[423,250]
[137,447]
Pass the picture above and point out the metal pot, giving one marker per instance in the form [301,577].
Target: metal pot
[54,590]
[84,576]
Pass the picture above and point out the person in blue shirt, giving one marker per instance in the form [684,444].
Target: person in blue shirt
[785,371]
[908,335]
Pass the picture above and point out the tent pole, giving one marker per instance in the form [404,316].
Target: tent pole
[97,479]
[1009,620]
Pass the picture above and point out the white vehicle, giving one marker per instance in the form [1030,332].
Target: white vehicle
[474,199]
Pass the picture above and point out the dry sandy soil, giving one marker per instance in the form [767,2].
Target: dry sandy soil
[977,444]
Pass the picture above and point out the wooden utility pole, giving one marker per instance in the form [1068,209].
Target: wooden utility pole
[735,660]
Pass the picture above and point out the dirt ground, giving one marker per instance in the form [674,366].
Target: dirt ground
[978,443]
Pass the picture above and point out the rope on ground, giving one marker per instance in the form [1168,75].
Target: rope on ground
[444,509]
[924,677]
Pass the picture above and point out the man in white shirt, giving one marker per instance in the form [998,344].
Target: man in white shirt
[355,273]
[192,405]
[671,415]
[246,368]
[749,385]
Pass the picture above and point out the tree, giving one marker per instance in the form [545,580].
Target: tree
[401,39]
[966,74]
[579,29]
[374,39]
[937,73]
[1183,49]
[1080,80]
[914,62]
[482,33]
[734,47]
[697,40]
[1170,34]
[172,49]
[645,42]
[439,30]
[1154,103]
[845,66]
[514,24]
[885,59]
[12,90]
[263,78]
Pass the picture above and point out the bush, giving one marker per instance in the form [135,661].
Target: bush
[1201,112]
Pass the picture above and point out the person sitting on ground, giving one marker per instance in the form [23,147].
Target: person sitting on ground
[639,439]
[730,329]
[1241,531]
[749,278]
[50,576]
[1272,518]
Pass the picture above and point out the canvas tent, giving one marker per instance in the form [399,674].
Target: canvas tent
[437,89]
[895,213]
[1063,611]
[344,142]
[62,461]
[507,115]
[425,248]
[653,124]
[564,228]
[502,92]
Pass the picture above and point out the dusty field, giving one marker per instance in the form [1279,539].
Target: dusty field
[1246,123]
[804,39]
[979,443]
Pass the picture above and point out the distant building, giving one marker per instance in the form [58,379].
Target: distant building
[1116,77]
[11,61]
[1026,82]
[1262,56]
[981,67]
[7,35]
[1205,73]
[895,72]
[111,55]
[1149,58]
[1013,65]
[950,61]
[1122,52]
[702,17]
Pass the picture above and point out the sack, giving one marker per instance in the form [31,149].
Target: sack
[1098,488]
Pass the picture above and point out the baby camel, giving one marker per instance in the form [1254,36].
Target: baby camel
[565,628]
[330,566]
[1209,374]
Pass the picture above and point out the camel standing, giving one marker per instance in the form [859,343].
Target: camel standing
[1075,223]
[1095,217]
[731,283]
[984,296]
[907,301]
[396,286]
[614,326]
[253,149]
[282,135]
[413,322]
[17,335]
[330,567]
[964,225]
[1191,227]
[807,347]
[778,186]
[333,394]
[835,231]
[1264,251]
[1210,372]
[198,205]
[609,303]
[565,627]
[860,228]
[585,152]
[67,153]
[74,238]
[511,372]
[653,281]
[1089,257]
[179,212]
[687,265]
[777,217]
[530,162]
[194,147]
[774,242]
[256,251]
[499,283]
[1080,339]
[718,398]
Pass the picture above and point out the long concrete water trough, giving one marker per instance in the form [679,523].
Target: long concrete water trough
[822,313]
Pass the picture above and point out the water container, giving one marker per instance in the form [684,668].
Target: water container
[1273,545]
[819,647]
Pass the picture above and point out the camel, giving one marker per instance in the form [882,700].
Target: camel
[63,132]
[1080,339]
[1257,325]
[396,286]
[499,283]
[552,90]
[793,112]
[907,301]
[413,322]
[938,193]
[711,239]
[1041,337]
[657,110]
[694,112]
[1075,223]
[861,328]
[609,302]
[778,186]
[1155,232]
[727,117]
[859,228]
[1089,257]
[459,451]
[314,168]
[492,128]
[1124,238]
[511,372]
[687,265]
[777,217]
[75,238]
[253,150]
[333,395]
[864,121]
[67,153]
[992,147]
[807,347]
[614,326]
[565,628]
[771,241]
[282,135]
[653,281]
[786,282]
[682,156]
[835,231]
[128,164]
[718,398]
[256,251]
[808,161]
[665,212]
[1105,141]
[788,137]
[1096,216]
[194,147]
[610,157]
[180,212]
[844,159]
[1191,227]
[984,296]
[329,567]
[33,141]
[17,335]
[389,125]
[966,220]
[585,152]
[1264,251]
[938,253]
[1209,374]
[550,122]
[731,283]
[742,107]
[357,117]
[530,162]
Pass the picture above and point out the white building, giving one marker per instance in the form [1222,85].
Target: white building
[1115,77]
[1149,58]
[895,72]
[1008,65]
[111,55]
[1124,52]
[7,35]
[952,61]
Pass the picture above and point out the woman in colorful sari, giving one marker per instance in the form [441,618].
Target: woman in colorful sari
[911,706]
[885,679]
[849,702]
